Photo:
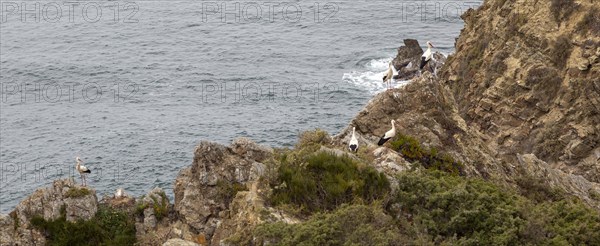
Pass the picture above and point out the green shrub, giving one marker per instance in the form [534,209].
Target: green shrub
[446,206]
[450,209]
[348,225]
[75,192]
[568,222]
[412,150]
[161,209]
[322,181]
[315,137]
[108,227]
[536,190]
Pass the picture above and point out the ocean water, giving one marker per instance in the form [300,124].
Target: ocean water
[133,87]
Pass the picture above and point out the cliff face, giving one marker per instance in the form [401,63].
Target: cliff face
[519,98]
[526,75]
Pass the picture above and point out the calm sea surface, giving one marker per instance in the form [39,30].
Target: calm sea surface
[132,87]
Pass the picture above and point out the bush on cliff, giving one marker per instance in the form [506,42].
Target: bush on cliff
[348,225]
[468,211]
[108,227]
[323,181]
[430,158]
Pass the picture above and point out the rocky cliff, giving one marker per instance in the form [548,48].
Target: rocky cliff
[513,116]
[526,75]
[524,81]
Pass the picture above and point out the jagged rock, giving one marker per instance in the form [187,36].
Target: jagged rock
[408,59]
[204,191]
[64,198]
[246,211]
[245,147]
[13,234]
[155,201]
[179,242]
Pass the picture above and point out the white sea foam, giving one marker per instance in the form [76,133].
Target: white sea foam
[370,78]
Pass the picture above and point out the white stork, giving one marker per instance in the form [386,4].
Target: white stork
[389,75]
[388,135]
[353,145]
[82,170]
[427,55]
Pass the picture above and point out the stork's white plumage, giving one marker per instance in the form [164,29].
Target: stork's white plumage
[388,135]
[120,193]
[353,145]
[427,55]
[82,170]
[389,75]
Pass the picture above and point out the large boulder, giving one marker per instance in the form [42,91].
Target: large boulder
[204,191]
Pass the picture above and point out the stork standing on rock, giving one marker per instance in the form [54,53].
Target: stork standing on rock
[388,135]
[353,145]
[426,56]
[389,75]
[82,170]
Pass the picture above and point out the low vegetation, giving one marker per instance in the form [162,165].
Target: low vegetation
[312,138]
[323,181]
[75,192]
[430,158]
[348,225]
[432,207]
[108,227]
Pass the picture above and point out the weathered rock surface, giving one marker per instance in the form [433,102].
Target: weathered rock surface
[179,242]
[526,76]
[64,198]
[204,191]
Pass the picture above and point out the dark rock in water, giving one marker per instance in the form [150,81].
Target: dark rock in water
[409,57]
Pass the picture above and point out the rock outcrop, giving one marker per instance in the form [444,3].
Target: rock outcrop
[64,198]
[205,190]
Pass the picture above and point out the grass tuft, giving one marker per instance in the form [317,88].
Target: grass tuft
[75,192]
